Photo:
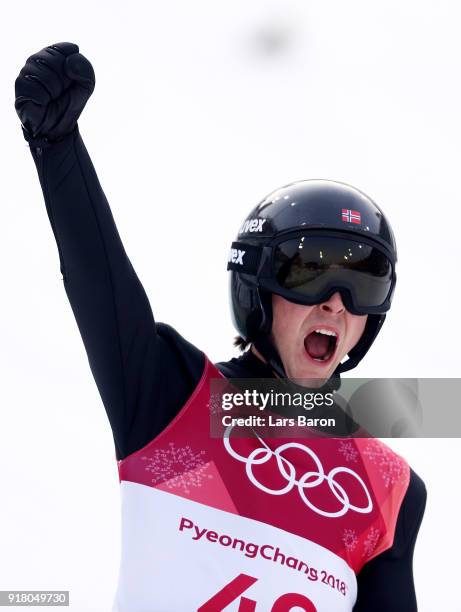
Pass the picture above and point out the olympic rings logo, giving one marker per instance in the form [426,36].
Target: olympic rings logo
[309,480]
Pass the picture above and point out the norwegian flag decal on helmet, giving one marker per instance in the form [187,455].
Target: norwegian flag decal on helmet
[351,216]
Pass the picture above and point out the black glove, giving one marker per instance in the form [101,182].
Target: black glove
[52,90]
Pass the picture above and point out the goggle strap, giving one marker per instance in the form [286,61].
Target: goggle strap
[244,258]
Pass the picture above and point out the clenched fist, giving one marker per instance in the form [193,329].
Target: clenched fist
[52,90]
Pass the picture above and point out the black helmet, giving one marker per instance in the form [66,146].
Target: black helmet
[306,241]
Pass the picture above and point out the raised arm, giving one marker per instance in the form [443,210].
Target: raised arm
[135,363]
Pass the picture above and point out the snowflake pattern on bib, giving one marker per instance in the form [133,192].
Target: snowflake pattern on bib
[392,468]
[371,542]
[348,451]
[178,467]
[350,539]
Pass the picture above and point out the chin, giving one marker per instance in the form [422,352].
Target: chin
[312,373]
[308,376]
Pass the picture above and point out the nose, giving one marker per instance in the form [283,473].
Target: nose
[334,305]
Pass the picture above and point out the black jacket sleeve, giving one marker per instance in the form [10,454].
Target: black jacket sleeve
[136,363]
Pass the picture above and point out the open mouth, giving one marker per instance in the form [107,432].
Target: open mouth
[320,344]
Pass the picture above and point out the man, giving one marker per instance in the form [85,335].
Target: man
[213,524]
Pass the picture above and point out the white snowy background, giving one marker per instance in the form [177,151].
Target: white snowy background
[207,106]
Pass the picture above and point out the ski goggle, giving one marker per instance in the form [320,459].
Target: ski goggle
[309,267]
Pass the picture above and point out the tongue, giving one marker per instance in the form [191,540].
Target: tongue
[316,345]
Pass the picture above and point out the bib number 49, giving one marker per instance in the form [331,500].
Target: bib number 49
[234,589]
